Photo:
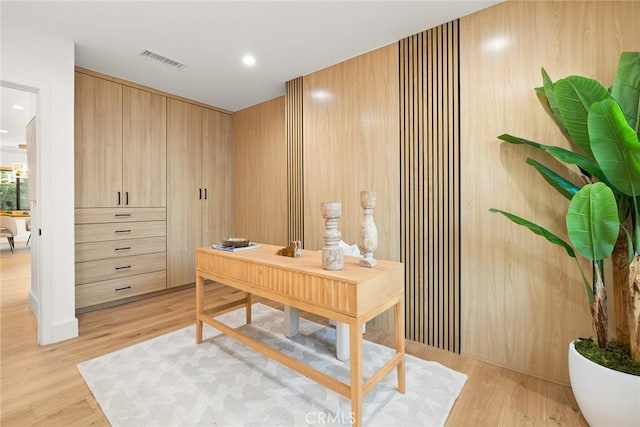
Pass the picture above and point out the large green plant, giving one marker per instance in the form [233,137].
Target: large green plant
[603,215]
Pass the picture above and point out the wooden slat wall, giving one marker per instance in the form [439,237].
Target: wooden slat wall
[430,186]
[295,167]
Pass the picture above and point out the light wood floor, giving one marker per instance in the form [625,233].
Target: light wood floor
[41,385]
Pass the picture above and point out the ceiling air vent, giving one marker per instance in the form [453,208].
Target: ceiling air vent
[162,60]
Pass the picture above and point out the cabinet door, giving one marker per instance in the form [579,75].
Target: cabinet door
[184,137]
[98,142]
[144,148]
[217,177]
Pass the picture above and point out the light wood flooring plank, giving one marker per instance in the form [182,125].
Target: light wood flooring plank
[41,386]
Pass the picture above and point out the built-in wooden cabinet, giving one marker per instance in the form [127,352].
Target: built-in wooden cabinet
[184,198]
[120,190]
[98,142]
[199,172]
[120,253]
[217,176]
[144,148]
[120,145]
[153,183]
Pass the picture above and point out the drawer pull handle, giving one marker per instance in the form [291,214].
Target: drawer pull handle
[123,249]
[123,268]
[123,231]
[123,289]
[123,214]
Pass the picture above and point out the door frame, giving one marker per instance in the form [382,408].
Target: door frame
[39,291]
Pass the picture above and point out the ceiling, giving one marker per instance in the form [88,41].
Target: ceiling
[288,39]
[13,121]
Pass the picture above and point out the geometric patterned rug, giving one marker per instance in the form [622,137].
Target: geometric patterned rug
[172,381]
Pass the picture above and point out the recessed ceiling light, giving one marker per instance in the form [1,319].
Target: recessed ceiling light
[4,131]
[249,60]
[17,107]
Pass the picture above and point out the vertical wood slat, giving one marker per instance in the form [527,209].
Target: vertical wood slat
[295,184]
[430,185]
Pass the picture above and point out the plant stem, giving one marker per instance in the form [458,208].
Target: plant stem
[599,307]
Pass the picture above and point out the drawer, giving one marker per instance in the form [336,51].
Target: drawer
[86,233]
[119,248]
[111,290]
[99,215]
[107,269]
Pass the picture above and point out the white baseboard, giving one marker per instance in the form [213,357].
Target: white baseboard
[64,330]
[33,303]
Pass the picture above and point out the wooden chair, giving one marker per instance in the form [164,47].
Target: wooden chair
[27,226]
[8,229]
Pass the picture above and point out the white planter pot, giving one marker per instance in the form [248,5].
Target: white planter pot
[606,397]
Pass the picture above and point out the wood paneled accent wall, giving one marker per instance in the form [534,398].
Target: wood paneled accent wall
[295,167]
[351,143]
[430,185]
[522,298]
[260,172]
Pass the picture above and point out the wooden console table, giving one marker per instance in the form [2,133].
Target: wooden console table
[353,295]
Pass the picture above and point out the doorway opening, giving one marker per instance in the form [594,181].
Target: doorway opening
[18,193]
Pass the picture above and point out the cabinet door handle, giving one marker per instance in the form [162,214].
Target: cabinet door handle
[118,198]
[126,198]
[205,194]
[122,214]
[123,268]
[199,193]
[123,231]
[123,249]
[123,289]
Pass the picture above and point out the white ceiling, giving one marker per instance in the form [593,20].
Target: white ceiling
[288,39]
[14,121]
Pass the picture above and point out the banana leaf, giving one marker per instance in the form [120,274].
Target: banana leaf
[615,146]
[567,156]
[548,88]
[575,95]
[540,231]
[564,187]
[592,221]
[626,88]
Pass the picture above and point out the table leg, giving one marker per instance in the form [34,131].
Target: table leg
[291,321]
[199,306]
[248,308]
[398,311]
[355,345]
[342,341]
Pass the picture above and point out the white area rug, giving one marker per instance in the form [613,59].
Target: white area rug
[172,381]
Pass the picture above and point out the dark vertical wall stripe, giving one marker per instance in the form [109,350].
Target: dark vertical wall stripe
[295,187]
[430,184]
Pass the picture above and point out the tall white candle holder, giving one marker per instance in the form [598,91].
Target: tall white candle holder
[368,242]
[332,256]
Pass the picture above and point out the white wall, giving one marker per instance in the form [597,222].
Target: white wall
[10,155]
[47,64]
